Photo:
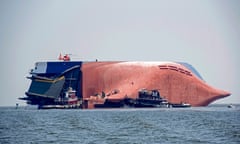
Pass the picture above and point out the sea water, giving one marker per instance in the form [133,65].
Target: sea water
[212,124]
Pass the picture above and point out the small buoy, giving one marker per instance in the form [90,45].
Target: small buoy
[231,106]
[17,105]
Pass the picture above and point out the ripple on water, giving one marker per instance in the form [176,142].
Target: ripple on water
[195,125]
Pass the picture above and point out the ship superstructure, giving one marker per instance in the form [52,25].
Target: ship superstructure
[53,83]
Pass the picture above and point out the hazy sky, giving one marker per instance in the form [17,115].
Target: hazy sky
[203,33]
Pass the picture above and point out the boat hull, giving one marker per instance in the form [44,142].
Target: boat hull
[97,83]
[176,83]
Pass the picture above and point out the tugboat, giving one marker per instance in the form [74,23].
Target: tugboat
[148,98]
[71,97]
[70,101]
[180,105]
[231,106]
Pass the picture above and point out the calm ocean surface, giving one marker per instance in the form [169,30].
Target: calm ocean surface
[213,124]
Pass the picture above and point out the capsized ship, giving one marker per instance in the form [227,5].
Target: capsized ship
[79,84]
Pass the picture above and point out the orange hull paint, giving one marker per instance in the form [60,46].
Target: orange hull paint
[175,82]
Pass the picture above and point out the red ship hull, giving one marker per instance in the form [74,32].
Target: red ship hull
[175,82]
